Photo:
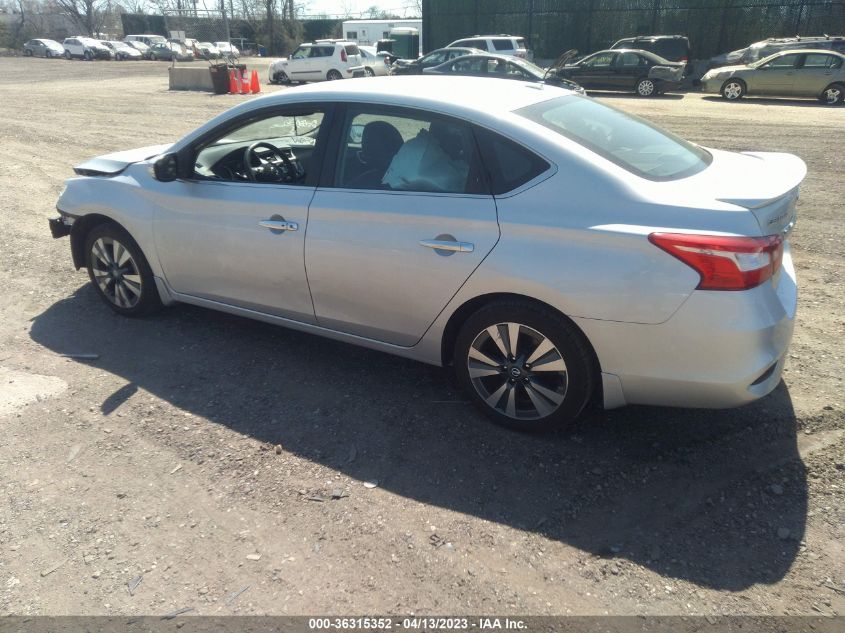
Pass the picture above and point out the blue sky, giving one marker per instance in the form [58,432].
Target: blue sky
[339,7]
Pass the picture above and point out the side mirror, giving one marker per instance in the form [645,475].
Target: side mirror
[166,168]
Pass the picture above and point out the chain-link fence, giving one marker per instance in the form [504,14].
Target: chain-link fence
[553,26]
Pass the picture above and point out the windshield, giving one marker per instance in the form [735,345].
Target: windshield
[628,141]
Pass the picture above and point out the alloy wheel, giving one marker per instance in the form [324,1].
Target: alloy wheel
[833,95]
[370,72]
[116,272]
[645,88]
[517,371]
[733,90]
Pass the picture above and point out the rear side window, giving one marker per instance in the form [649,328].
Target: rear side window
[480,44]
[509,164]
[673,50]
[502,44]
[352,49]
[630,142]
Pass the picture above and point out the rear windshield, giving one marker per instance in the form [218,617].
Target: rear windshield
[520,44]
[628,141]
[351,49]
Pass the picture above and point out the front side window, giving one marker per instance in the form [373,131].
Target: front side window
[407,151]
[274,148]
[301,53]
[602,60]
[784,61]
[628,141]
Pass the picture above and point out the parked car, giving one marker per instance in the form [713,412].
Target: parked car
[499,44]
[208,51]
[758,50]
[675,48]
[318,61]
[227,49]
[147,39]
[432,59]
[547,246]
[375,64]
[85,48]
[501,67]
[637,71]
[819,74]
[170,51]
[122,51]
[140,47]
[43,48]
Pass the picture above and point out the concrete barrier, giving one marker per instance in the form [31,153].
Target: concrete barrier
[190,78]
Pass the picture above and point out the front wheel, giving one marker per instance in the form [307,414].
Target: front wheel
[67,55]
[646,88]
[120,272]
[88,56]
[733,90]
[333,75]
[48,54]
[370,72]
[27,53]
[833,95]
[525,366]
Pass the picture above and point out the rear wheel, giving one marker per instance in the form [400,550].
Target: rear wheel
[646,87]
[27,52]
[67,55]
[120,272]
[48,54]
[333,75]
[525,366]
[88,56]
[834,94]
[733,90]
[370,72]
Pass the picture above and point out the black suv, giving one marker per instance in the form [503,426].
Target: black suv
[675,48]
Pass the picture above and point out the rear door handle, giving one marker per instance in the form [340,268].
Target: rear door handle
[279,225]
[448,245]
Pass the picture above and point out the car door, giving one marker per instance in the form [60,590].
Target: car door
[387,248]
[628,69]
[301,65]
[239,242]
[775,77]
[816,73]
[596,72]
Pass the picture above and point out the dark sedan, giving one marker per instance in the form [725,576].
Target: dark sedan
[432,59]
[641,72]
[502,67]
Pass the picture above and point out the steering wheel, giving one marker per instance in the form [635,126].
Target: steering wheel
[288,174]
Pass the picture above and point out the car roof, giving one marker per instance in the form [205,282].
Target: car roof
[795,51]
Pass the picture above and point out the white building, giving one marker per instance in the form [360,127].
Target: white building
[368,32]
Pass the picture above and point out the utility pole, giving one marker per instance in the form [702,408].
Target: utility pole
[225,19]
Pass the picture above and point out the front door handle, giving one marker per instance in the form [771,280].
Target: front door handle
[448,245]
[279,225]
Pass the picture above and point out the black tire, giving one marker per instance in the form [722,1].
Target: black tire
[88,56]
[68,56]
[833,95]
[27,52]
[333,75]
[645,87]
[48,54]
[369,72]
[733,89]
[137,294]
[570,388]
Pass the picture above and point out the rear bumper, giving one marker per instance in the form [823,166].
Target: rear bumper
[719,350]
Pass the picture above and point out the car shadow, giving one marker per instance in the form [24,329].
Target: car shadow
[801,103]
[705,496]
[630,95]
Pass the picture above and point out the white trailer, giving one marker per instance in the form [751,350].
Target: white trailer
[369,32]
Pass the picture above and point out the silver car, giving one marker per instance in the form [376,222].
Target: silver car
[548,247]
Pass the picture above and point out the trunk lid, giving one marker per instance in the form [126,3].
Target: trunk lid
[765,183]
[668,72]
[113,164]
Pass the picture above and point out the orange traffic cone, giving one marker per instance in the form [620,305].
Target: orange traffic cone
[244,83]
[253,83]
[233,83]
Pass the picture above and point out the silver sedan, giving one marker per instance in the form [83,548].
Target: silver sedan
[549,248]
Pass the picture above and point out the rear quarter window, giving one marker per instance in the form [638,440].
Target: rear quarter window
[508,164]
[352,49]
[503,44]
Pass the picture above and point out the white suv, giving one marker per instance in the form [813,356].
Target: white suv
[85,48]
[499,44]
[319,61]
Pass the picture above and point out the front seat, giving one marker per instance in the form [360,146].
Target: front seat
[380,142]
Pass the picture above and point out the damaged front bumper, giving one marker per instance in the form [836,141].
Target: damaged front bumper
[61,226]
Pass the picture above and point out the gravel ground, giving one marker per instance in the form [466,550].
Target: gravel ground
[216,463]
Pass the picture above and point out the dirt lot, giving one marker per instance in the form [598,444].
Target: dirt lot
[200,451]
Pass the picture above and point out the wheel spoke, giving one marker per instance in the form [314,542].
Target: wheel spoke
[513,338]
[496,335]
[482,371]
[132,287]
[480,356]
[540,404]
[100,252]
[544,347]
[121,255]
[553,396]
[119,295]
[493,398]
[551,363]
[511,406]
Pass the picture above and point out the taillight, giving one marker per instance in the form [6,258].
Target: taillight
[725,262]
[342,55]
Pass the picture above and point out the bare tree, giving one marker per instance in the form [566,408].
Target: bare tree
[87,15]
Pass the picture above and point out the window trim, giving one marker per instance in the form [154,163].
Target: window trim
[329,172]
[187,155]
